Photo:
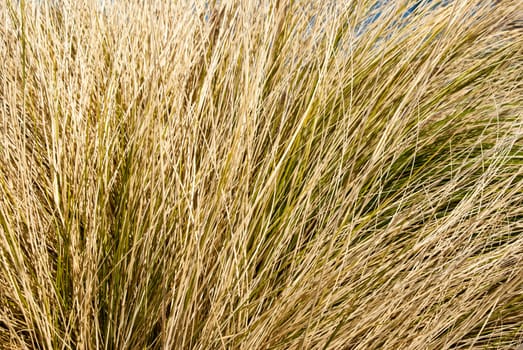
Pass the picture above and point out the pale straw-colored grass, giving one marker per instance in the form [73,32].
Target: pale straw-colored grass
[261,175]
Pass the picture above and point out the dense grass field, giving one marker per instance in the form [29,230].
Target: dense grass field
[244,174]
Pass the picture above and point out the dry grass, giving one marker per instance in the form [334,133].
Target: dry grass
[261,175]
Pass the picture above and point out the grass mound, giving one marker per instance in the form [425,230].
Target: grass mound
[261,174]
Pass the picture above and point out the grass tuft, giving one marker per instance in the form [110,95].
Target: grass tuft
[261,175]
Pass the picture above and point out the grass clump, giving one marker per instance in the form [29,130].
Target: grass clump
[261,175]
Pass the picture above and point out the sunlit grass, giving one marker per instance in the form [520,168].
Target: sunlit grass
[274,175]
